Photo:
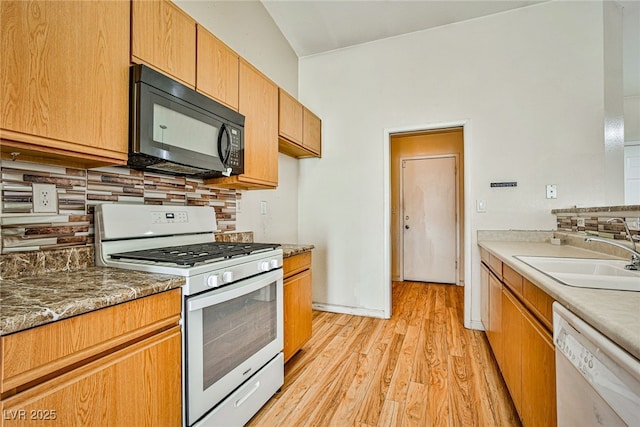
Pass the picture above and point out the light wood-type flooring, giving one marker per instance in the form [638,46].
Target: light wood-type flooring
[419,368]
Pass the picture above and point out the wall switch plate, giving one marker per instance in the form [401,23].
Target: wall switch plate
[263,207]
[45,198]
[238,206]
[552,191]
[481,206]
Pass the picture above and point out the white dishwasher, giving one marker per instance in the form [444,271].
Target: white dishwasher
[597,382]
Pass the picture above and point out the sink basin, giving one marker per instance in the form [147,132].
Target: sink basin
[586,272]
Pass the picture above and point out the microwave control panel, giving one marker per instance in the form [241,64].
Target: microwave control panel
[236,149]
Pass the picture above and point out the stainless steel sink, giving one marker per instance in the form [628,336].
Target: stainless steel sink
[586,272]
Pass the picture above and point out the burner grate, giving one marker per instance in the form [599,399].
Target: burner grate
[190,255]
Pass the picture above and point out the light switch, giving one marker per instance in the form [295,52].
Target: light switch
[481,206]
[263,207]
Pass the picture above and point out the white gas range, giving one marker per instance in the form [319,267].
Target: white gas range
[232,304]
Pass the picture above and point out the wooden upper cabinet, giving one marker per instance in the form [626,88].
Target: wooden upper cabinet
[258,102]
[299,130]
[217,69]
[290,117]
[65,81]
[164,37]
[312,139]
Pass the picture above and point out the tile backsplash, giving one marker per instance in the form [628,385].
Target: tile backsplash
[594,221]
[79,190]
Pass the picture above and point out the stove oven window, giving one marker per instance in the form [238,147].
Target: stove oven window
[235,330]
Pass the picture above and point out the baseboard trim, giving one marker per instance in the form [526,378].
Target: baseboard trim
[342,309]
[477,324]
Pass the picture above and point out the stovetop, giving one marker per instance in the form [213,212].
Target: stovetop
[190,255]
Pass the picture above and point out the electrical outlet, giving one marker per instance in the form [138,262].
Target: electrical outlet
[552,191]
[45,198]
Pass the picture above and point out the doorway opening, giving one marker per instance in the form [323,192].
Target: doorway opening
[427,205]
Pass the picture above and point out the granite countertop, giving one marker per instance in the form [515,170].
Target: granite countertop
[26,302]
[616,314]
[289,250]
[39,288]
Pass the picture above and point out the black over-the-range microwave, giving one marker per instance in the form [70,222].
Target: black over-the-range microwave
[175,130]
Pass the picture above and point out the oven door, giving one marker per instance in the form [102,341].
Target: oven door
[230,334]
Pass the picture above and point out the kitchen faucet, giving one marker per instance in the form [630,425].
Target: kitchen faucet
[635,255]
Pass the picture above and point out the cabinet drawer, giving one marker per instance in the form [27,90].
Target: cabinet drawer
[139,385]
[296,264]
[513,279]
[484,255]
[496,265]
[56,347]
[539,302]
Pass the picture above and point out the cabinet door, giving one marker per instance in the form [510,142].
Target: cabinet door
[494,333]
[538,375]
[139,385]
[217,69]
[512,329]
[65,81]
[259,104]
[290,117]
[164,37]
[484,296]
[312,139]
[297,312]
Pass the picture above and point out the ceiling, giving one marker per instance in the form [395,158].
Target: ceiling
[316,26]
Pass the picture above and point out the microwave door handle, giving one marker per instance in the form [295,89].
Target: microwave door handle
[224,156]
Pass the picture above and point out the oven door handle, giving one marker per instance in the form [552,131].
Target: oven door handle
[235,290]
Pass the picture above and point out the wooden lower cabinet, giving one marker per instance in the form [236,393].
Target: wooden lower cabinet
[494,333]
[538,374]
[521,338]
[132,386]
[297,303]
[484,296]
[511,366]
[116,366]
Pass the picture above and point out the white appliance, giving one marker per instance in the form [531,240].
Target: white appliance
[232,316]
[597,382]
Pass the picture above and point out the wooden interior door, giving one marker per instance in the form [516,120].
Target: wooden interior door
[429,219]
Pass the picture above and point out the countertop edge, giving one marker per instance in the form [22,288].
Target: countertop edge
[289,249]
[613,313]
[120,286]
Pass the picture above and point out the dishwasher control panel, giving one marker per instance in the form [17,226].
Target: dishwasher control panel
[578,355]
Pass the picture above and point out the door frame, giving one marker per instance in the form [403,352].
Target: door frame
[386,222]
[456,196]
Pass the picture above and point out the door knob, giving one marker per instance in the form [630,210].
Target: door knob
[406,226]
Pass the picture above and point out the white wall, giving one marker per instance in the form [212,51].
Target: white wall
[529,83]
[632,118]
[247,28]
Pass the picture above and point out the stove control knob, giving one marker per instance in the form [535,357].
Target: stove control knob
[212,281]
[273,263]
[264,266]
[227,277]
